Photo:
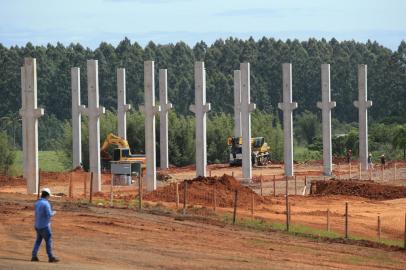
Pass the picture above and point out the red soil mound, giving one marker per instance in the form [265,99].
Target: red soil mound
[366,189]
[201,189]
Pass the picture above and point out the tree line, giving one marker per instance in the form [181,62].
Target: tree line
[386,88]
[386,74]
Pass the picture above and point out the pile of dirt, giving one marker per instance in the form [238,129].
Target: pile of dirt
[366,189]
[11,181]
[201,189]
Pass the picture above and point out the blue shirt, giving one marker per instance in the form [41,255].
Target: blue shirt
[43,213]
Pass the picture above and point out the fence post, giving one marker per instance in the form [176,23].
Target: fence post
[111,190]
[346,220]
[70,186]
[214,199]
[139,192]
[379,228]
[235,206]
[290,213]
[184,197]
[328,219]
[91,188]
[84,186]
[359,171]
[383,173]
[404,244]
[177,195]
[287,203]
[295,186]
[274,190]
[39,183]
[350,170]
[395,171]
[252,205]
[232,173]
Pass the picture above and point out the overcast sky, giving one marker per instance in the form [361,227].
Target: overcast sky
[167,21]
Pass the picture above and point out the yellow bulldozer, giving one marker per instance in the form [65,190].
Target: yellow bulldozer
[260,151]
[121,153]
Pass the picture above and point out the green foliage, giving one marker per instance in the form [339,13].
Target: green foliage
[386,87]
[181,136]
[386,70]
[399,139]
[303,154]
[268,126]
[308,127]
[345,142]
[219,128]
[7,155]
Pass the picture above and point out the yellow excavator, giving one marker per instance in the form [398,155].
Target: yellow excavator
[121,153]
[260,151]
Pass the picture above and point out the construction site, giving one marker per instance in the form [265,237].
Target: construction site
[123,203]
[101,235]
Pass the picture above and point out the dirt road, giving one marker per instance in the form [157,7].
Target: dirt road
[104,238]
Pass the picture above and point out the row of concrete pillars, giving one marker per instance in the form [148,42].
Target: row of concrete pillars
[242,116]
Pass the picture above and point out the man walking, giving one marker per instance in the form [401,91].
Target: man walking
[43,214]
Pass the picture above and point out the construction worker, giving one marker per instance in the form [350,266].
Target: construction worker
[43,214]
[370,164]
[383,161]
[349,156]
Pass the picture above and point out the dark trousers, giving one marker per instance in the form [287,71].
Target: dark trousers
[45,234]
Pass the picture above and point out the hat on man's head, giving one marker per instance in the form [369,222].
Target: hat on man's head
[47,190]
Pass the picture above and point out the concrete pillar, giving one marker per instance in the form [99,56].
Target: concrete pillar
[163,118]
[200,109]
[23,125]
[363,104]
[30,114]
[287,106]
[237,103]
[93,112]
[77,109]
[122,107]
[326,105]
[150,109]
[246,108]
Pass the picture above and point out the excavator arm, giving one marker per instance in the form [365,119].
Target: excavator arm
[112,139]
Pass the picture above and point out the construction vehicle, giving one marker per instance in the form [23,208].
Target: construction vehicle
[260,151]
[120,154]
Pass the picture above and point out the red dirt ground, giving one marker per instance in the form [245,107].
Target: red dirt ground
[364,188]
[101,238]
[201,192]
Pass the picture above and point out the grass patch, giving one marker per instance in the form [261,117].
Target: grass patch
[302,230]
[50,161]
[303,154]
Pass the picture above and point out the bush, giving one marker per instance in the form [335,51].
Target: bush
[8,154]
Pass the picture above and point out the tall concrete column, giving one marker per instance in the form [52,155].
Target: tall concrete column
[287,106]
[326,105]
[122,107]
[237,103]
[30,114]
[23,124]
[77,108]
[246,109]
[200,109]
[363,104]
[163,118]
[93,112]
[150,109]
